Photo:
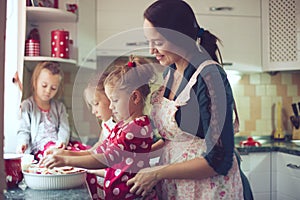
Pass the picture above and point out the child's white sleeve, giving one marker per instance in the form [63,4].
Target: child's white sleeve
[64,128]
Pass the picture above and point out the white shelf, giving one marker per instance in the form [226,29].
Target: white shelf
[43,14]
[46,58]
[66,64]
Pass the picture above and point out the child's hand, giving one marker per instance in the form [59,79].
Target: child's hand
[22,148]
[51,161]
[61,145]
[97,172]
[55,151]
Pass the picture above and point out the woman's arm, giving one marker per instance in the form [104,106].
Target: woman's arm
[147,178]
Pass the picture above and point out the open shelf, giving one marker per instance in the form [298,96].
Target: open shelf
[66,64]
[44,14]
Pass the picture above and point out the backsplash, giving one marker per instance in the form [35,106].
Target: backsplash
[257,96]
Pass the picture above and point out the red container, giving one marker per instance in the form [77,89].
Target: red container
[13,170]
[32,47]
[60,43]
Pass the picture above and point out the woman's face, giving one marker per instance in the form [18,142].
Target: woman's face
[119,102]
[159,46]
[99,104]
[47,86]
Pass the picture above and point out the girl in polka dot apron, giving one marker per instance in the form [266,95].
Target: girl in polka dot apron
[182,146]
[126,149]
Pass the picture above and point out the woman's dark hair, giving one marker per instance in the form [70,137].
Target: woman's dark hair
[177,15]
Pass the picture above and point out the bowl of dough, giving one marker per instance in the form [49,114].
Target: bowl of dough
[41,178]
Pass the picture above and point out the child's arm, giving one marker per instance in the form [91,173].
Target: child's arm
[63,124]
[157,145]
[24,129]
[97,172]
[63,152]
[94,161]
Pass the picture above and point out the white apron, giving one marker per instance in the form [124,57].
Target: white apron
[181,146]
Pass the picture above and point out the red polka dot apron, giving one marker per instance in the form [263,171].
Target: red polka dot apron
[181,146]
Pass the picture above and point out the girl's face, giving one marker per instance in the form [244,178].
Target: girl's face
[46,86]
[159,46]
[99,104]
[119,103]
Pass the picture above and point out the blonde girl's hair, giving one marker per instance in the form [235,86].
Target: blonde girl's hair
[96,84]
[137,74]
[54,68]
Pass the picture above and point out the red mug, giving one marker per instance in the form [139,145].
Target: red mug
[13,169]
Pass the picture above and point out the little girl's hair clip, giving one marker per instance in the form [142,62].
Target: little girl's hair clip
[131,64]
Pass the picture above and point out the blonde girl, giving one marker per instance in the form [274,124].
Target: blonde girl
[44,120]
[126,149]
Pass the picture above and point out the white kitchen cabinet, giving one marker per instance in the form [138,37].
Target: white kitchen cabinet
[238,25]
[281,35]
[86,37]
[120,28]
[286,173]
[257,167]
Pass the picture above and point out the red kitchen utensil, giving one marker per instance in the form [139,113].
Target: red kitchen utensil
[32,47]
[250,142]
[60,44]
[13,170]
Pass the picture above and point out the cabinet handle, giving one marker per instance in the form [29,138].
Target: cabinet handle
[227,64]
[223,8]
[293,166]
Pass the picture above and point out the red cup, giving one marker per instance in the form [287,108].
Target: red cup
[13,169]
[32,47]
[60,44]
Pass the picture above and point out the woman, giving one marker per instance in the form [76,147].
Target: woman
[192,111]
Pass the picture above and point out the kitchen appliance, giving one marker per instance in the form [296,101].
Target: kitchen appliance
[60,43]
[13,169]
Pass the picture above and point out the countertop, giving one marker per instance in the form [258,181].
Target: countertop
[268,144]
[81,193]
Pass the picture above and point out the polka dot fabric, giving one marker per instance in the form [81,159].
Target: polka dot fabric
[126,150]
[60,44]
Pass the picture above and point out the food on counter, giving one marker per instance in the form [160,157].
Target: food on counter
[39,169]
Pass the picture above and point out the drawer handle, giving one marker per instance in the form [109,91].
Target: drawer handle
[223,8]
[293,166]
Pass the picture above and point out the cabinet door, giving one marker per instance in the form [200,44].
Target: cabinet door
[257,167]
[281,33]
[241,39]
[14,47]
[288,176]
[226,7]
[87,34]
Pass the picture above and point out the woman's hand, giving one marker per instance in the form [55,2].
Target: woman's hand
[144,181]
[51,161]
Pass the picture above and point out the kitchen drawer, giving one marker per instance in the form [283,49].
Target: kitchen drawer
[288,176]
[290,164]
[226,7]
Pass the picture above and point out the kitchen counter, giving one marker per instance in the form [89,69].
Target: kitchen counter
[268,144]
[81,193]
